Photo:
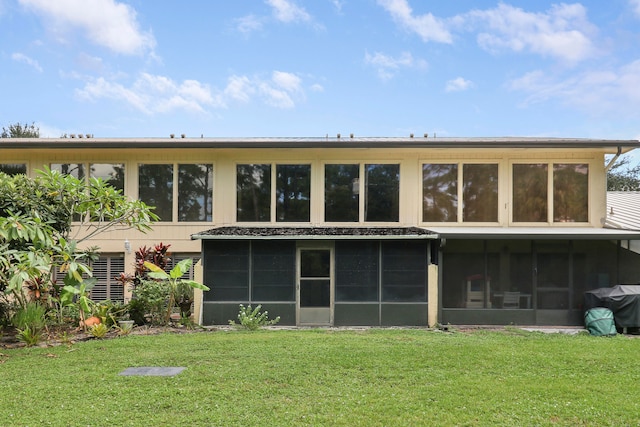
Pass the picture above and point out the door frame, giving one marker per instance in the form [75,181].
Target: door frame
[316,245]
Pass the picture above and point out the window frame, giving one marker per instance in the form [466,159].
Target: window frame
[362,185]
[175,191]
[460,191]
[273,191]
[550,191]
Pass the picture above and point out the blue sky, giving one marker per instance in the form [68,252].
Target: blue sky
[133,68]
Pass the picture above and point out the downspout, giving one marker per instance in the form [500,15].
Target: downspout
[613,160]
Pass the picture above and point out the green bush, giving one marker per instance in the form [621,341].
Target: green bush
[252,319]
[152,299]
[31,315]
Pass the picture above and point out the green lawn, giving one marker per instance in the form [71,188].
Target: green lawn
[377,377]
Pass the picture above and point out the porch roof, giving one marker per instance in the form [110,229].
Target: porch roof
[546,233]
[326,233]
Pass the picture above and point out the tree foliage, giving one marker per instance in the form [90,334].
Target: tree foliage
[18,130]
[623,176]
[35,227]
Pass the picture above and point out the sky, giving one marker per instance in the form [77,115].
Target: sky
[295,68]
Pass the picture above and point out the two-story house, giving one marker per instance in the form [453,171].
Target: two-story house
[366,231]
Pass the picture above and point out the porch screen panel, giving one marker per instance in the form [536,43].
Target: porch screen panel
[113,173]
[155,188]
[440,193]
[530,193]
[274,271]
[293,193]
[13,168]
[253,193]
[570,192]
[357,270]
[195,189]
[382,193]
[553,264]
[404,271]
[226,270]
[480,193]
[341,193]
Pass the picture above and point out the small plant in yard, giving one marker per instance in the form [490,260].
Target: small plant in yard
[30,321]
[99,331]
[251,318]
[29,335]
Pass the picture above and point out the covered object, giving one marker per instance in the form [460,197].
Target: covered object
[622,300]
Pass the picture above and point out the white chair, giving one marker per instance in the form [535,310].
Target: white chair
[511,300]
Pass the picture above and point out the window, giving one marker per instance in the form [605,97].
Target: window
[113,173]
[440,193]
[195,189]
[293,193]
[74,169]
[480,193]
[530,192]
[253,189]
[254,193]
[193,192]
[341,193]
[13,168]
[105,270]
[155,188]
[570,192]
[382,193]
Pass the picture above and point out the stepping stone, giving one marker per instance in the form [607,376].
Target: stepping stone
[153,371]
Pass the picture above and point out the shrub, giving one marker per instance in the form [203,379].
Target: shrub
[152,298]
[252,319]
[99,331]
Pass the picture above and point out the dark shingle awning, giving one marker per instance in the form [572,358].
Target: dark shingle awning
[327,233]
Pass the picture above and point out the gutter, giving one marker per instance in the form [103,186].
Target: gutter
[613,160]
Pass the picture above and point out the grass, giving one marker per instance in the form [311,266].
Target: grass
[377,377]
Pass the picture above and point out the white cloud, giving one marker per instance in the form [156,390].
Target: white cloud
[249,23]
[458,84]
[282,90]
[106,23]
[427,26]
[635,5]
[387,66]
[153,94]
[562,32]
[20,57]
[597,92]
[288,11]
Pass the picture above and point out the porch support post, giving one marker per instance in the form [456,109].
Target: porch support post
[432,294]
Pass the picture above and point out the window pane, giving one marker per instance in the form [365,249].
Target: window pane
[357,270]
[73,169]
[13,168]
[155,188]
[293,192]
[253,186]
[480,193]
[530,193]
[112,173]
[571,192]
[341,193]
[195,189]
[439,193]
[382,193]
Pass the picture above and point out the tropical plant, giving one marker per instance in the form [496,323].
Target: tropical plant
[99,331]
[150,302]
[175,281]
[29,322]
[252,319]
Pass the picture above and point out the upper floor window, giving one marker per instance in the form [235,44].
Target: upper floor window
[443,185]
[570,196]
[113,173]
[192,195]
[13,168]
[570,192]
[343,186]
[342,193]
[76,170]
[254,193]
